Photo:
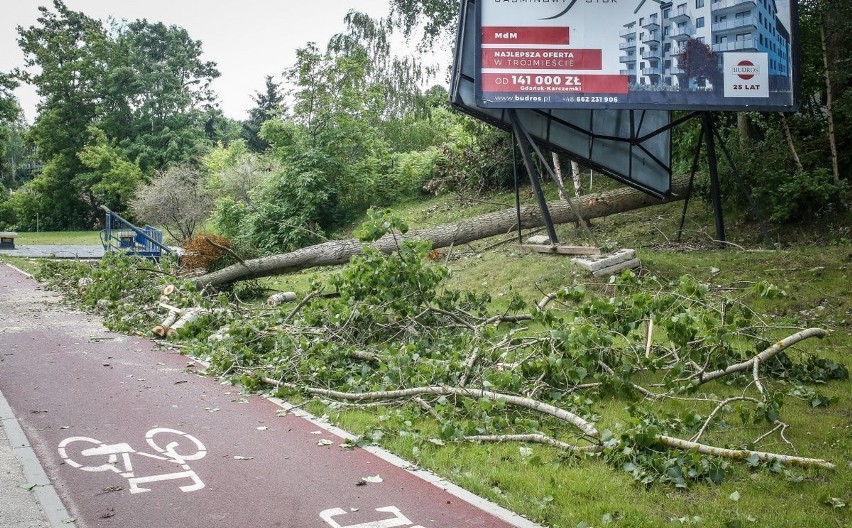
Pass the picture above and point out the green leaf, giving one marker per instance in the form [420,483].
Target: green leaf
[753,460]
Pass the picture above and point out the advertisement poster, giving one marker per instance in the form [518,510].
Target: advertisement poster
[691,55]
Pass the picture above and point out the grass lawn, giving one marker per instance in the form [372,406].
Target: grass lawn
[52,238]
[812,264]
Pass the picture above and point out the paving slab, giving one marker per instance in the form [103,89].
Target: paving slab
[19,506]
[131,435]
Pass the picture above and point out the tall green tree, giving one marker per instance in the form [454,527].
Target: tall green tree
[267,104]
[396,77]
[825,120]
[67,51]
[328,151]
[142,85]
[9,114]
[157,93]
[111,179]
[435,18]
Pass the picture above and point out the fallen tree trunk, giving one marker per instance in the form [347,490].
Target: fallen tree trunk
[337,252]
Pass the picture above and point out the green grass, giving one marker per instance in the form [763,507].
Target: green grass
[25,264]
[52,238]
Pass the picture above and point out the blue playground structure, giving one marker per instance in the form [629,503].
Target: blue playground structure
[121,235]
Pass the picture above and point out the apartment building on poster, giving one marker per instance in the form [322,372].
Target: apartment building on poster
[658,30]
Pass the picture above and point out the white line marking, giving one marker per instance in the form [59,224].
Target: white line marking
[485,505]
[398,520]
[125,469]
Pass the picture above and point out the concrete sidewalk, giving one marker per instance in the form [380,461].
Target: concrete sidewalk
[22,481]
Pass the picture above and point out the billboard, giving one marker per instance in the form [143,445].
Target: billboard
[631,146]
[673,55]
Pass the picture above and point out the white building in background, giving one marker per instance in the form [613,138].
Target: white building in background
[652,39]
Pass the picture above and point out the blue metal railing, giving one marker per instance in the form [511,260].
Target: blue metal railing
[121,235]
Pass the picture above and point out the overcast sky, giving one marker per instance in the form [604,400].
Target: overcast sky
[248,39]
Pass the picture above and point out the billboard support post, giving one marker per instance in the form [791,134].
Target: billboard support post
[517,190]
[715,189]
[692,171]
[526,149]
[745,190]
[544,163]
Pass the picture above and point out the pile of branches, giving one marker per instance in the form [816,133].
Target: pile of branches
[386,331]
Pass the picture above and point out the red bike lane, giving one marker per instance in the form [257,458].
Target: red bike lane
[131,435]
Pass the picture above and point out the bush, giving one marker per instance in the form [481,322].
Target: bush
[475,164]
[783,193]
[23,209]
[408,173]
[7,212]
[801,195]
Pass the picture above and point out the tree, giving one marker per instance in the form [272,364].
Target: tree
[826,35]
[437,18]
[219,128]
[111,178]
[268,104]
[143,85]
[174,200]
[19,161]
[9,114]
[327,147]
[336,252]
[68,51]
[157,94]
[698,62]
[397,77]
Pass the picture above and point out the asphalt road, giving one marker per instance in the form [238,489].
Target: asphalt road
[132,436]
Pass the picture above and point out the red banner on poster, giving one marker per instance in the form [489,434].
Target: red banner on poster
[541,59]
[554,83]
[525,35]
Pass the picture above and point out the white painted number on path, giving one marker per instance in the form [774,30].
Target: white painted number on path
[183,447]
[398,519]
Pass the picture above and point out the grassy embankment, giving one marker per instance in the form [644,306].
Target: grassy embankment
[812,263]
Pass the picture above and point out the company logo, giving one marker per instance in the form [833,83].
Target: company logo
[745,70]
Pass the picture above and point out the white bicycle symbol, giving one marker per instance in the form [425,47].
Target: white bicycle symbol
[108,454]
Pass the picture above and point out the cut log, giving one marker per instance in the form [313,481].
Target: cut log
[338,252]
[280,298]
[163,328]
[188,317]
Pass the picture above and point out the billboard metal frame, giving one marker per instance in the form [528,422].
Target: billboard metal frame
[638,145]
[647,147]
[632,99]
